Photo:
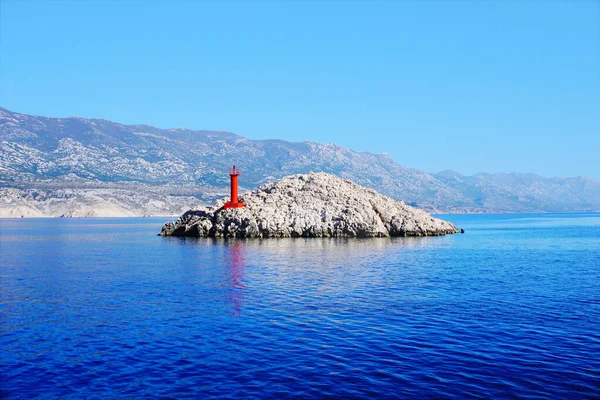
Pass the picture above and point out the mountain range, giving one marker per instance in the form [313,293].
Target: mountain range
[84,165]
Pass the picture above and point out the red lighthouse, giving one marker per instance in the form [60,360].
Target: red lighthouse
[234,203]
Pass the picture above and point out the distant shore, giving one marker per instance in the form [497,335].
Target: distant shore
[3,217]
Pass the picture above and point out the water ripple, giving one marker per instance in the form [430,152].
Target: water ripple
[108,310]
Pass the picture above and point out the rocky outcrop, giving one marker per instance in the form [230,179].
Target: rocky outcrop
[310,205]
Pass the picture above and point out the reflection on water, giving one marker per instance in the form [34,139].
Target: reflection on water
[235,269]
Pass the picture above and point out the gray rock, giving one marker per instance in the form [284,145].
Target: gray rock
[310,205]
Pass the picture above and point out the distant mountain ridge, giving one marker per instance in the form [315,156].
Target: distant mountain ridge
[526,192]
[40,151]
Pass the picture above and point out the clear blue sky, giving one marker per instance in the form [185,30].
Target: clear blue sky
[471,86]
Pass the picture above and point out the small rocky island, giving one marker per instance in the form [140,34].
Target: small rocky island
[309,205]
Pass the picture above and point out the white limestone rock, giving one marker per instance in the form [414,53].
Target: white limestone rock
[310,205]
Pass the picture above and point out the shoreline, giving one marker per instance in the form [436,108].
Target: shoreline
[177,215]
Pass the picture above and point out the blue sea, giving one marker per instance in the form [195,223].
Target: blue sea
[104,308]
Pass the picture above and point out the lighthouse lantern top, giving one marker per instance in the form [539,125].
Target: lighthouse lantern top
[234,171]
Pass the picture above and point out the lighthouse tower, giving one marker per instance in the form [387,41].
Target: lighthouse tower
[234,203]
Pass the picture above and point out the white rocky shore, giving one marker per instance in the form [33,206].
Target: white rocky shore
[310,205]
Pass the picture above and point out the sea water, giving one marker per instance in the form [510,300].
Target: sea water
[104,308]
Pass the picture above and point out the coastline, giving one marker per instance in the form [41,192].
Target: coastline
[177,215]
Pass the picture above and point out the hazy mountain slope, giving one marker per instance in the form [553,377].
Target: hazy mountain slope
[525,192]
[40,147]
[94,202]
[37,152]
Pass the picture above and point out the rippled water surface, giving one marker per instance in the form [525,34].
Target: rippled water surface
[105,309]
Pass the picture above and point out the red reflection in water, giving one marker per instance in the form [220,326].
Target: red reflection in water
[235,270]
